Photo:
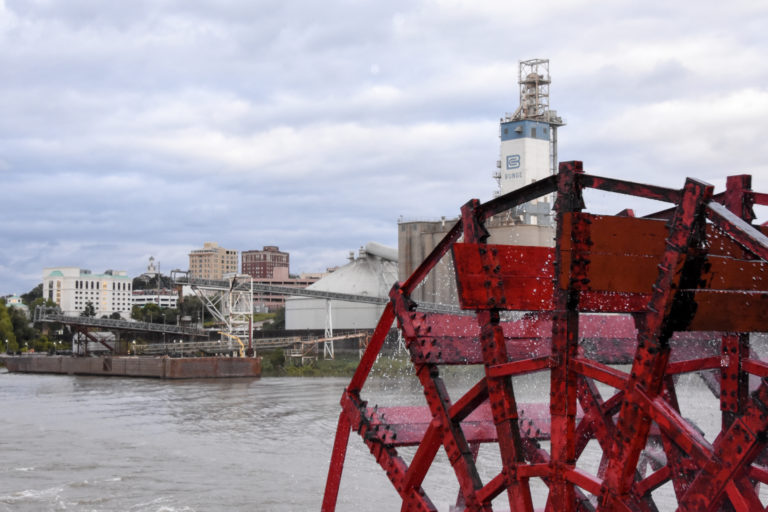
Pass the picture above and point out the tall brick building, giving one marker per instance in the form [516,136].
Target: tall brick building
[269,263]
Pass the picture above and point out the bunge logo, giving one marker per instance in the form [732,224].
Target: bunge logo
[513,161]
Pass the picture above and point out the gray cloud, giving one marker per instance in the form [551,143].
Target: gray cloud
[145,128]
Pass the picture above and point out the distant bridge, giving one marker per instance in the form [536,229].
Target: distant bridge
[50,316]
[82,323]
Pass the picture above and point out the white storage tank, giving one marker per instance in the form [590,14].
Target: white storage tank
[372,274]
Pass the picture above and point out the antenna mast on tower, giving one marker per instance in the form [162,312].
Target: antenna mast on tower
[529,139]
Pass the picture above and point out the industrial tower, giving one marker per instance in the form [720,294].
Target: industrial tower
[529,141]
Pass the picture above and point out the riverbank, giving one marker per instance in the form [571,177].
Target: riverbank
[132,366]
[274,365]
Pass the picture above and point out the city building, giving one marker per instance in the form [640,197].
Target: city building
[152,270]
[271,266]
[152,287]
[163,297]
[72,288]
[269,263]
[212,262]
[273,301]
[14,301]
[152,278]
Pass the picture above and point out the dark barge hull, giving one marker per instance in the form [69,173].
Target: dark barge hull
[152,367]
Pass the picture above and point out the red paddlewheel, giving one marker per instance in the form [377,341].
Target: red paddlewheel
[675,293]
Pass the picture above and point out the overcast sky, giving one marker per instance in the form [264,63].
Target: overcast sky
[144,128]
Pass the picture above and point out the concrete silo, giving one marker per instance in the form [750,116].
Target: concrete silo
[372,273]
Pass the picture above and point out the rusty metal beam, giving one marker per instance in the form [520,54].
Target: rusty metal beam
[501,393]
[338,456]
[664,308]
[630,188]
[517,197]
[745,234]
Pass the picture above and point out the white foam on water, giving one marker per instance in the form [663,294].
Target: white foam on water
[50,495]
[160,505]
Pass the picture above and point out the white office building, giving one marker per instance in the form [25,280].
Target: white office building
[72,288]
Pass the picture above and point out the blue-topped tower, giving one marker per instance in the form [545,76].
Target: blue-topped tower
[529,141]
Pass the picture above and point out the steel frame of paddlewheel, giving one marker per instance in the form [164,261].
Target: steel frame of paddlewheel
[676,292]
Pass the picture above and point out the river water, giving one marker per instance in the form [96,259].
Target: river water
[113,444]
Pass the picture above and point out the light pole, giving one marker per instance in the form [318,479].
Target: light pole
[181,344]
[134,347]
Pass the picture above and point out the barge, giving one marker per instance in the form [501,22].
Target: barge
[137,366]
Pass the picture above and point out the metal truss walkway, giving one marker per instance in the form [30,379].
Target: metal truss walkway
[210,347]
[305,292]
[45,315]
